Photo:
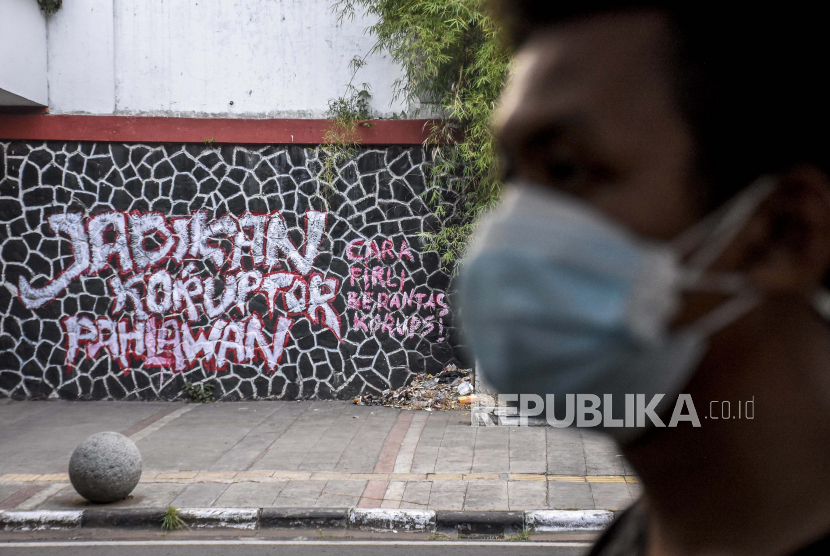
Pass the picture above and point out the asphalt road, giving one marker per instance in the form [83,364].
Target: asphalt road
[292,548]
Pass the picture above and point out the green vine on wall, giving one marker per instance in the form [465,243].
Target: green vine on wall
[50,7]
[454,66]
[346,113]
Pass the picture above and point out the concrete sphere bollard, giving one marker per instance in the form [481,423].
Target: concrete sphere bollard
[105,467]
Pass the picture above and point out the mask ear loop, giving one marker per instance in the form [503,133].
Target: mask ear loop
[709,238]
[704,242]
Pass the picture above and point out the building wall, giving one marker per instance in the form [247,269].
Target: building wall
[209,58]
[170,219]
[127,269]
[22,54]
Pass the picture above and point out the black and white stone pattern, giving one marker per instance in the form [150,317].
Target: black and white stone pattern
[364,312]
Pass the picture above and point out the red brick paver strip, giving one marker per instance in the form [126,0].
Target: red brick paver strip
[392,444]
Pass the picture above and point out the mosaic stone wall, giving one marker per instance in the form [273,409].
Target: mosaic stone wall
[128,269]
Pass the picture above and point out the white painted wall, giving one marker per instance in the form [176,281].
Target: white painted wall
[22,54]
[271,58]
[81,58]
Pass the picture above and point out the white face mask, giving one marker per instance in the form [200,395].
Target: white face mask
[556,298]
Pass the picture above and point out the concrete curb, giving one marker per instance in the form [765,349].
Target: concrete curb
[568,520]
[304,517]
[39,520]
[394,520]
[480,523]
[234,518]
[381,519]
[135,517]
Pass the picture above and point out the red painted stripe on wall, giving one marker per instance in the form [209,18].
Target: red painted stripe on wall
[129,129]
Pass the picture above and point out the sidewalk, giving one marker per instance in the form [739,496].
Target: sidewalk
[310,454]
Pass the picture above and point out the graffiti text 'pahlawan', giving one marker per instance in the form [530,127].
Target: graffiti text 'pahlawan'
[118,240]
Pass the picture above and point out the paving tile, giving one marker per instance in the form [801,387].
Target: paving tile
[372,495]
[67,499]
[250,495]
[593,441]
[486,495]
[611,496]
[604,463]
[447,495]
[393,495]
[269,422]
[155,495]
[492,450]
[59,427]
[566,462]
[341,494]
[527,495]
[455,454]
[40,497]
[364,448]
[8,489]
[200,495]
[426,452]
[570,496]
[406,453]
[300,493]
[567,438]
[320,461]
[416,495]
[199,438]
[286,461]
[528,448]
[635,490]
[289,450]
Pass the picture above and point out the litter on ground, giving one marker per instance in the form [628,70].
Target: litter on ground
[449,389]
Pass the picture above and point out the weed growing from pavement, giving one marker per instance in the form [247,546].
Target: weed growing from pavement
[171,520]
[439,537]
[198,393]
[523,535]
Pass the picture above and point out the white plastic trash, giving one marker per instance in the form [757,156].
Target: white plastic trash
[464,388]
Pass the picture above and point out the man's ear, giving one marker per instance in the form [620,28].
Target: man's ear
[787,243]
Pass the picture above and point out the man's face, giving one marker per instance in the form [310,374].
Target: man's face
[590,109]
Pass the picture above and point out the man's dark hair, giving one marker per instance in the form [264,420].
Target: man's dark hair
[750,82]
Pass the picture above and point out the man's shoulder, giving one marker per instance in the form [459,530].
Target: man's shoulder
[626,536]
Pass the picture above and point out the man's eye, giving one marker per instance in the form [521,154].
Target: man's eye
[578,177]
[566,173]
[563,170]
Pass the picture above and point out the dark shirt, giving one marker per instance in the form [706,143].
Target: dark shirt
[626,536]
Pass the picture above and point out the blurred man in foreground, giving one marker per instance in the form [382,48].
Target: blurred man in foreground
[666,230]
